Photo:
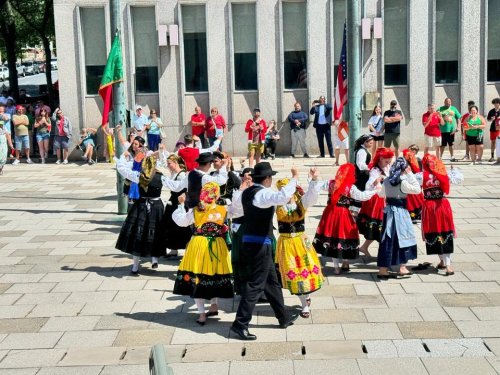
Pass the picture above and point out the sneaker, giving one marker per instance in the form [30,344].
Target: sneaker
[65,161]
[84,158]
[29,161]
[16,162]
[91,162]
[273,156]
[492,159]
[453,159]
[321,156]
[306,155]
[466,157]
[42,160]
[58,162]
[292,155]
[480,162]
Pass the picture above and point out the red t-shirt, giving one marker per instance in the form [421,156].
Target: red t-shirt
[432,130]
[220,123]
[251,134]
[198,129]
[189,154]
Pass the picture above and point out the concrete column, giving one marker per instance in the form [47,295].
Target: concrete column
[419,58]
[268,61]
[470,66]
[317,70]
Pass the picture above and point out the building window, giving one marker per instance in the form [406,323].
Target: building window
[447,31]
[195,47]
[339,18]
[245,46]
[94,46]
[493,74]
[295,46]
[146,49]
[395,42]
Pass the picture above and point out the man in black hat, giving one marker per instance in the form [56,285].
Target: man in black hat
[259,203]
[195,179]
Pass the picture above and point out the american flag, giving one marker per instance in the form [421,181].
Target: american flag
[341,89]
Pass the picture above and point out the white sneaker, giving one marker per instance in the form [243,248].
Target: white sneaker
[43,161]
[65,161]
[58,162]
[29,161]
[16,162]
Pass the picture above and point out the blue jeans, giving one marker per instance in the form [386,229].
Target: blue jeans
[154,141]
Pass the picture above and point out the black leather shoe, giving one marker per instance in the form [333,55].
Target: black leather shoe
[243,333]
[289,321]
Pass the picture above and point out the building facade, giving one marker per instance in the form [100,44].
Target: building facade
[241,54]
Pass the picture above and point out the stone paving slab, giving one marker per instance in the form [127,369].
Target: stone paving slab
[67,299]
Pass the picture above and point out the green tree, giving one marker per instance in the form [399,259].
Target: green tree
[39,16]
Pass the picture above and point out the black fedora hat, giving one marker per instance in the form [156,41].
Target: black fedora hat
[263,169]
[205,157]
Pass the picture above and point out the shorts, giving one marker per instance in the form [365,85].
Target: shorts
[42,137]
[338,144]
[391,138]
[494,135]
[378,138]
[61,142]
[254,148]
[431,141]
[473,140]
[22,142]
[88,142]
[447,139]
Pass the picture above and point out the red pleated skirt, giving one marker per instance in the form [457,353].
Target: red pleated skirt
[414,204]
[371,218]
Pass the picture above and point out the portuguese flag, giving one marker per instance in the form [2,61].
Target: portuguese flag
[113,73]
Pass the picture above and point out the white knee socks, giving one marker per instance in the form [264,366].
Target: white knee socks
[135,266]
[200,304]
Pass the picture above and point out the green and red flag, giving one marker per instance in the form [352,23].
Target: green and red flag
[113,73]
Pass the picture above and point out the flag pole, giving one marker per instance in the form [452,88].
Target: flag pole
[119,108]
[353,73]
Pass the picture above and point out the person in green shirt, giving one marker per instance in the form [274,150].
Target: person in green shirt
[474,129]
[451,117]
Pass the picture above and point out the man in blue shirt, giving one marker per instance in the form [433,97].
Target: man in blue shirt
[321,111]
[298,124]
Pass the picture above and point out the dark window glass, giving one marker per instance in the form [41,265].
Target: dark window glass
[295,69]
[245,71]
[446,71]
[396,74]
[195,62]
[146,79]
[93,76]
[493,70]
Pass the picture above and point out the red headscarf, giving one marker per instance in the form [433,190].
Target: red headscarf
[381,153]
[412,160]
[432,165]
[344,179]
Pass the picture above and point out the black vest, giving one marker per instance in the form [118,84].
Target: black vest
[154,187]
[194,188]
[362,177]
[258,221]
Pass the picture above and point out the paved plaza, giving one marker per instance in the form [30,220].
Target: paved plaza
[68,304]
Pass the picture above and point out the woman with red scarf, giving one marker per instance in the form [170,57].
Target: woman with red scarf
[337,235]
[371,215]
[414,202]
[438,229]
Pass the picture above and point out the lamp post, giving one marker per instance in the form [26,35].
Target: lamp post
[119,109]
[353,73]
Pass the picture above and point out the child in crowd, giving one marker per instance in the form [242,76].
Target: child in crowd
[109,149]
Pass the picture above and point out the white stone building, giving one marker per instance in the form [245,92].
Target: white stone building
[241,54]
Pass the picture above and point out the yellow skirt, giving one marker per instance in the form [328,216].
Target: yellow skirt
[299,265]
[205,270]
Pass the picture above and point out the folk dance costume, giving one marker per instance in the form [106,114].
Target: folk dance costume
[337,235]
[398,244]
[258,202]
[176,237]
[298,263]
[141,234]
[414,202]
[205,270]
[363,159]
[371,215]
[438,229]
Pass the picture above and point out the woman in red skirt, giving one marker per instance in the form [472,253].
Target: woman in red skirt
[414,202]
[371,215]
[438,229]
[337,235]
